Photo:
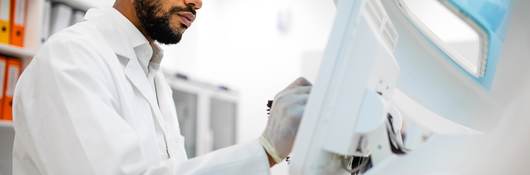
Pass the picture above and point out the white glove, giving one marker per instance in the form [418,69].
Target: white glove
[285,116]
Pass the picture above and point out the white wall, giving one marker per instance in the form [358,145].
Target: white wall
[237,43]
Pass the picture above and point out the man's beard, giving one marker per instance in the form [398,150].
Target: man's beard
[158,27]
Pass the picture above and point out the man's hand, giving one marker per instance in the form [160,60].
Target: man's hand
[285,115]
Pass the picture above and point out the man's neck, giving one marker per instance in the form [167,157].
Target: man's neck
[126,8]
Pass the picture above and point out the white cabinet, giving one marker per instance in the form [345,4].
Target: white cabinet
[6,145]
[207,115]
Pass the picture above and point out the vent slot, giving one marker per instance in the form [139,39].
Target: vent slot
[390,32]
[377,14]
[374,13]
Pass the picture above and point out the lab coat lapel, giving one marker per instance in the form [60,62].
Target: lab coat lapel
[118,43]
[169,113]
[165,99]
[139,80]
[133,71]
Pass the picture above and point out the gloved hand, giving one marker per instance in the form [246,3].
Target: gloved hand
[285,116]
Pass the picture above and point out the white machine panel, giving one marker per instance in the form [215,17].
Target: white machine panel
[357,74]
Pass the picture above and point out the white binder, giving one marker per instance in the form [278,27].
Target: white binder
[61,15]
[78,16]
[45,32]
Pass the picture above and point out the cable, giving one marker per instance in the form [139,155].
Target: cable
[348,161]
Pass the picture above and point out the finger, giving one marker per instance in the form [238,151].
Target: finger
[296,112]
[301,81]
[299,99]
[297,90]
[302,90]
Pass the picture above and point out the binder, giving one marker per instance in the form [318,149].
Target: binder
[3,66]
[5,16]
[14,68]
[45,32]
[18,21]
[60,17]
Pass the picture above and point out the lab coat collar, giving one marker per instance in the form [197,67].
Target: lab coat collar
[156,58]
[122,36]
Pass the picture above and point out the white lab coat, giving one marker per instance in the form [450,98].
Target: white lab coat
[84,106]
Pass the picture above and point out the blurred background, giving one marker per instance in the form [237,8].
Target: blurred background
[237,55]
[255,48]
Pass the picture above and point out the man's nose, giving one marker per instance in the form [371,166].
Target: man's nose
[197,4]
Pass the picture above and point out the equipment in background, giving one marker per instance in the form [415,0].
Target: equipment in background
[208,114]
[357,112]
[347,111]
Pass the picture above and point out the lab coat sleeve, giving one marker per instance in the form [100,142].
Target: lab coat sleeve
[65,109]
[242,159]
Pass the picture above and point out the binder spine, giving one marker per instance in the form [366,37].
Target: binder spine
[5,14]
[3,66]
[18,18]
[14,67]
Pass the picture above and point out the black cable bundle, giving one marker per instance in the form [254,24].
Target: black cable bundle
[269,107]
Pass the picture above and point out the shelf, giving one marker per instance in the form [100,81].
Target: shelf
[15,51]
[5,124]
[86,4]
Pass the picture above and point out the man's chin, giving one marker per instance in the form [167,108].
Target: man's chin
[180,30]
[168,40]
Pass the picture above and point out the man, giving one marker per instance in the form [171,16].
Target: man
[92,102]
